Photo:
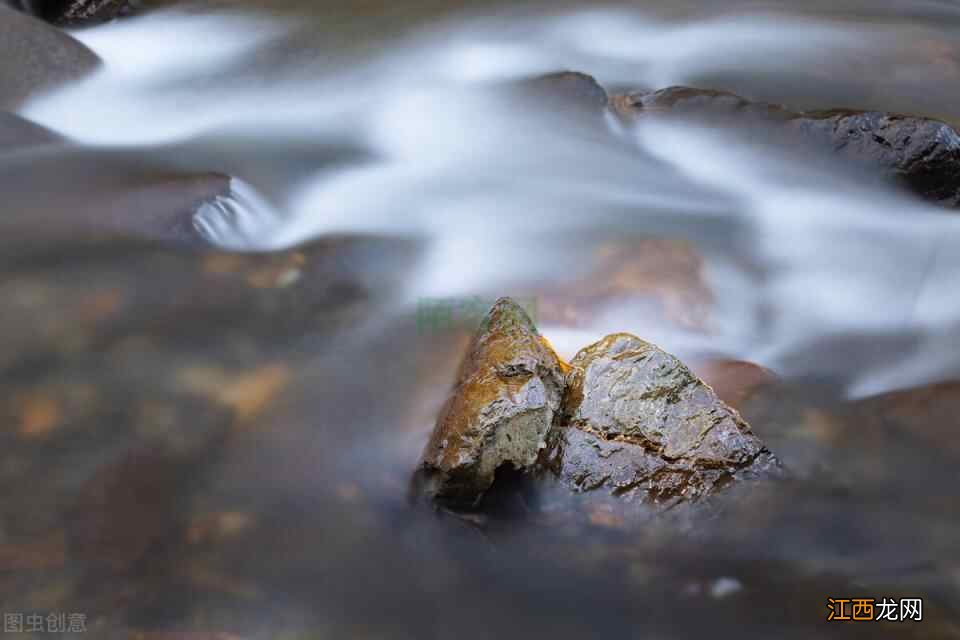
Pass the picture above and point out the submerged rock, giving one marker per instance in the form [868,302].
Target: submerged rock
[920,153]
[73,12]
[508,391]
[637,420]
[35,57]
[623,415]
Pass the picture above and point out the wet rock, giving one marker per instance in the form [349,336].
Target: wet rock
[35,57]
[507,393]
[567,90]
[638,421]
[919,153]
[99,195]
[632,419]
[74,12]
[18,133]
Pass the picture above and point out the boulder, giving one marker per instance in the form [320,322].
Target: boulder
[919,153]
[35,57]
[501,410]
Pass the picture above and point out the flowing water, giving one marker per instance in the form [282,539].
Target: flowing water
[388,123]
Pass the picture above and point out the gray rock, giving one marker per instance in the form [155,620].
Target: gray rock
[35,57]
[500,412]
[637,421]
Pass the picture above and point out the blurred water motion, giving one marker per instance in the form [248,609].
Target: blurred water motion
[383,159]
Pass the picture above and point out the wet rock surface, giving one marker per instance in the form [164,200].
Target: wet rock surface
[100,194]
[639,422]
[507,394]
[35,57]
[633,419]
[73,12]
[922,154]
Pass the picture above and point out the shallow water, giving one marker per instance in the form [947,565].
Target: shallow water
[386,134]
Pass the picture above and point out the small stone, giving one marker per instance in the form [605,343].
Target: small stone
[500,412]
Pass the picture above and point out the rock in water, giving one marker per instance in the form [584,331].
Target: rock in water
[35,57]
[638,421]
[922,154]
[508,391]
[73,12]
[623,415]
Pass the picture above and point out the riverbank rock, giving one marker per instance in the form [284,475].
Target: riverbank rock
[507,394]
[35,57]
[74,12]
[639,422]
[633,419]
[921,154]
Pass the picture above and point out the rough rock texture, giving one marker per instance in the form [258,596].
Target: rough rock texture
[507,394]
[625,416]
[640,421]
[922,154]
[73,12]
[35,57]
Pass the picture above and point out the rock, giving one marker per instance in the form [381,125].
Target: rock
[507,393]
[638,421]
[567,90]
[73,12]
[632,419]
[919,153]
[18,133]
[35,57]
[100,194]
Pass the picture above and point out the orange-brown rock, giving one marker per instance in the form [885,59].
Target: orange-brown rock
[501,410]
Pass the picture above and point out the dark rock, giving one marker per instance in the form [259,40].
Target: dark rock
[35,57]
[73,12]
[507,394]
[919,153]
[17,133]
[647,424]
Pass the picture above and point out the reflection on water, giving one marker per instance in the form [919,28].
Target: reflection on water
[299,522]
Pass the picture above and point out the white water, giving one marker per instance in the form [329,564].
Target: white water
[492,185]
